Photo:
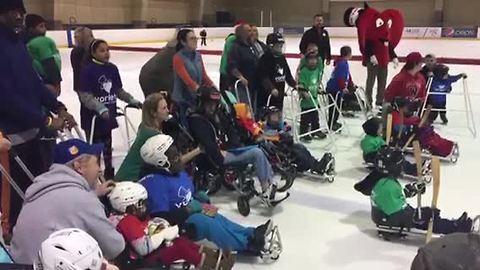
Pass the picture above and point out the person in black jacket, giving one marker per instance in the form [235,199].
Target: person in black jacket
[211,129]
[242,60]
[24,99]
[273,72]
[319,36]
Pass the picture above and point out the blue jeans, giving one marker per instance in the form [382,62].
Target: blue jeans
[221,231]
[254,156]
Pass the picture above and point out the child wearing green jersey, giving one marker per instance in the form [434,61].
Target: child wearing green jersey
[389,199]
[310,77]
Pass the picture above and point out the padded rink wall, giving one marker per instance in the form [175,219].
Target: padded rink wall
[135,36]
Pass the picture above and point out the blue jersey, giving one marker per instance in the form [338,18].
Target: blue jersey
[340,77]
[444,86]
[168,192]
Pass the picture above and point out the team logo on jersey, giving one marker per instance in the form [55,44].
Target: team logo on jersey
[105,84]
[280,70]
[185,195]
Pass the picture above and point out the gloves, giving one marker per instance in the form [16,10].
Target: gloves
[202,197]
[413,189]
[374,60]
[395,62]
[464,75]
[135,104]
[194,207]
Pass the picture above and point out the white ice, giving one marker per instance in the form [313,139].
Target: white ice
[328,226]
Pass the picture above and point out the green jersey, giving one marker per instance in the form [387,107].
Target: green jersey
[226,51]
[131,165]
[371,144]
[311,79]
[42,48]
[387,196]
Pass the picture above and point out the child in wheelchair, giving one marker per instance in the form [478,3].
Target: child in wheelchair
[153,239]
[389,199]
[272,135]
[423,130]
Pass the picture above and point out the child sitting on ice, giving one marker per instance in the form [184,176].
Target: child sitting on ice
[373,142]
[441,85]
[427,137]
[154,239]
[389,204]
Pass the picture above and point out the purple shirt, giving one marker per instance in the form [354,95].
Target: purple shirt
[103,82]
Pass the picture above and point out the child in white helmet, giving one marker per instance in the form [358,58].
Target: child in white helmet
[172,196]
[71,249]
[154,239]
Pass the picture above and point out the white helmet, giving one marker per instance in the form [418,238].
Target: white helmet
[153,151]
[125,194]
[69,249]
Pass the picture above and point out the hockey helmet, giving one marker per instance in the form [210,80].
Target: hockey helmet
[389,160]
[125,194]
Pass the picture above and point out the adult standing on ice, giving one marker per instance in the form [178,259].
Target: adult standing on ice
[24,97]
[157,74]
[318,36]
[190,73]
[79,55]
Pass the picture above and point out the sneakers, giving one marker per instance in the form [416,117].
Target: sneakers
[260,235]
[271,197]
[323,165]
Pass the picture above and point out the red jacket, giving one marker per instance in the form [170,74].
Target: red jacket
[406,85]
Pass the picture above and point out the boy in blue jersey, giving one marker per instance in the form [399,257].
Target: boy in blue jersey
[441,85]
[340,83]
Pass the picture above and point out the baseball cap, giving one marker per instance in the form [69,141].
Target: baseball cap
[71,149]
[414,57]
[458,251]
[275,38]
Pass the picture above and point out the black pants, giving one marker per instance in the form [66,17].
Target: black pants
[204,41]
[408,217]
[303,158]
[434,114]
[333,112]
[106,140]
[380,74]
[309,120]
[225,82]
[35,158]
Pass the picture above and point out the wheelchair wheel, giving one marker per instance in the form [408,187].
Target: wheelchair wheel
[243,205]
[288,178]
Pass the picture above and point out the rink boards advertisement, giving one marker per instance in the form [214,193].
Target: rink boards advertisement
[460,32]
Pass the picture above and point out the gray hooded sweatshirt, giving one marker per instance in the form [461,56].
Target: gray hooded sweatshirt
[58,199]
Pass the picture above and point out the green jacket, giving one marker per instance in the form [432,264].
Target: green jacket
[46,58]
[226,51]
[387,196]
[371,144]
[131,165]
[310,79]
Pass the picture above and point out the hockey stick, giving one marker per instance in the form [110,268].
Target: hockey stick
[402,126]
[422,123]
[418,160]
[389,129]
[436,191]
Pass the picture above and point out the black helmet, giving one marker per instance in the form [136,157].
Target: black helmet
[275,38]
[389,161]
[370,127]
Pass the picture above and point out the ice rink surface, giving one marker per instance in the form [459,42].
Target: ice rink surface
[328,226]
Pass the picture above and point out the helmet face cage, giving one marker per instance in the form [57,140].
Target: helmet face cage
[389,161]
